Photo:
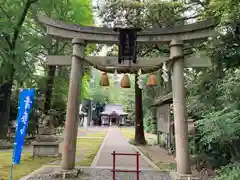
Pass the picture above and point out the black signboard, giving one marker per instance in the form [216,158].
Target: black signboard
[127,44]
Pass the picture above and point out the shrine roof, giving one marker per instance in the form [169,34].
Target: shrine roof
[165,99]
[113,109]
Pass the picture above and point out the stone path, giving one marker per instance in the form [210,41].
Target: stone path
[102,164]
[106,174]
[115,141]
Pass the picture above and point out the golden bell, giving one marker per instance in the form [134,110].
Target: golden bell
[125,81]
[104,81]
[152,80]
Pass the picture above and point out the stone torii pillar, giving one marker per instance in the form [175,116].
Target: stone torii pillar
[71,124]
[179,108]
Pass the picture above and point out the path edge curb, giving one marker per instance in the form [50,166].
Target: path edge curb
[26,177]
[149,161]
[96,158]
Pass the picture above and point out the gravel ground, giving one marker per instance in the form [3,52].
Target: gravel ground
[106,174]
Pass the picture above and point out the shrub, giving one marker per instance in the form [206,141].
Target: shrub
[5,144]
[148,122]
[230,172]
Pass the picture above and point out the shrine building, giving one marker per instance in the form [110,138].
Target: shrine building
[113,114]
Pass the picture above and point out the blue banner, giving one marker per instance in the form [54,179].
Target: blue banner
[26,98]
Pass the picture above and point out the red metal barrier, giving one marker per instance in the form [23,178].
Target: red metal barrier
[114,170]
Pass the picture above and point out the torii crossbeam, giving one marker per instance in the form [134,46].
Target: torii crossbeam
[147,65]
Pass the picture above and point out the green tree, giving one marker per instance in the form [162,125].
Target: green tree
[67,11]
[24,40]
[13,15]
[212,93]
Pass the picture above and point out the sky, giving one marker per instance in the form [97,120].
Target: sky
[97,20]
[97,3]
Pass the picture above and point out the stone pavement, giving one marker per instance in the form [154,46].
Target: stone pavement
[104,174]
[115,141]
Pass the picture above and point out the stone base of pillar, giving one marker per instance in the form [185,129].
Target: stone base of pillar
[177,176]
[66,174]
[46,149]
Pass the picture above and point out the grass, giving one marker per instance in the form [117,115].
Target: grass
[129,133]
[96,134]
[91,147]
[166,166]
[85,147]
[26,166]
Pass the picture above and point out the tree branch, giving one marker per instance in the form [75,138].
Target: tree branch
[146,52]
[4,12]
[63,47]
[152,20]
[166,51]
[7,38]
[34,12]
[31,48]
[20,23]
[128,20]
[187,18]
[27,65]
[57,44]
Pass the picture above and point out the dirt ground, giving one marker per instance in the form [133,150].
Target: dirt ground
[159,156]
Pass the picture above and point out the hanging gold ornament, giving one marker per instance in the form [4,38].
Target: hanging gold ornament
[125,81]
[104,81]
[152,80]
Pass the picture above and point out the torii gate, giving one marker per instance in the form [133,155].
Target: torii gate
[174,36]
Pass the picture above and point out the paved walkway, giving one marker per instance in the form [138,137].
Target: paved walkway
[115,141]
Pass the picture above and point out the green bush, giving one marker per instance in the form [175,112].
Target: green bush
[5,144]
[217,137]
[230,172]
[148,122]
[217,114]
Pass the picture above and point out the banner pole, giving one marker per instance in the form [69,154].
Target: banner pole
[11,171]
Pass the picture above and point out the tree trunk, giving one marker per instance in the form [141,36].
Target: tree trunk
[49,89]
[139,129]
[7,94]
[4,119]
[89,112]
[5,109]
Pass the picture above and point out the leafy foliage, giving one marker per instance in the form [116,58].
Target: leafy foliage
[230,172]
[24,46]
[213,95]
